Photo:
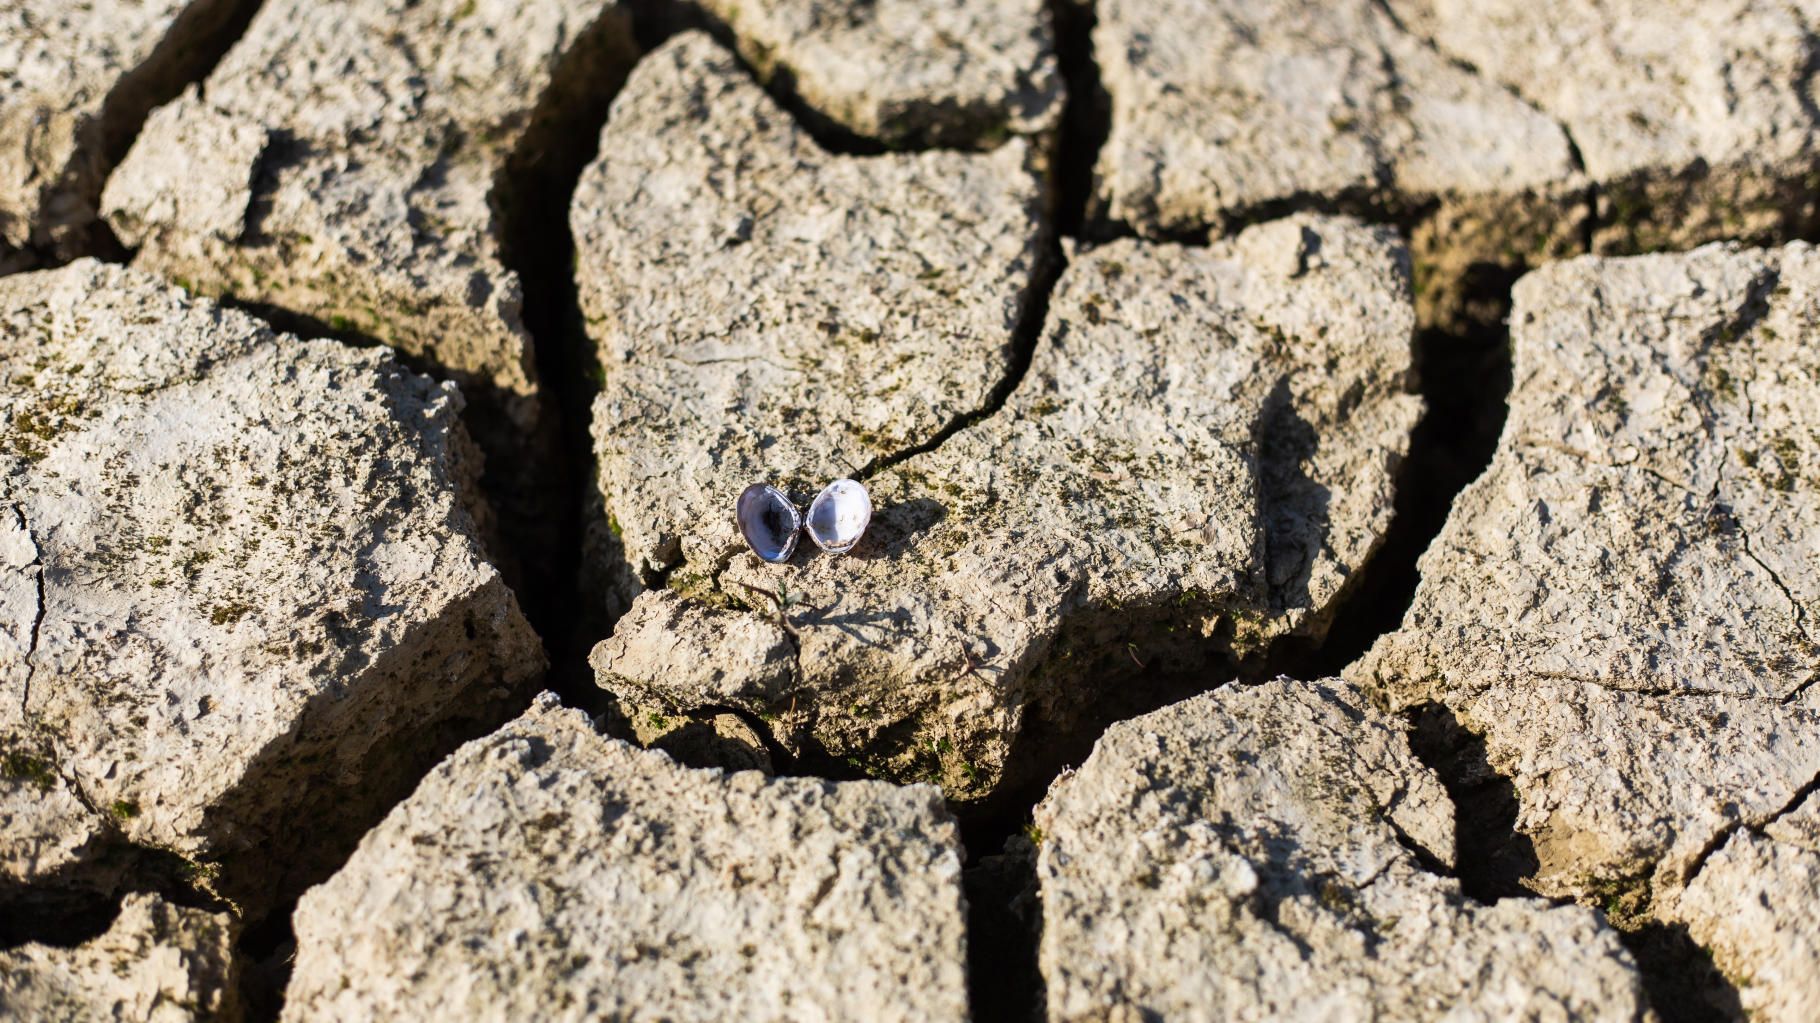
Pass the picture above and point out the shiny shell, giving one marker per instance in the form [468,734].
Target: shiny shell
[768,521]
[839,515]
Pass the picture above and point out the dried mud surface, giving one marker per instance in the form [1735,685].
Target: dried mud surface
[1344,476]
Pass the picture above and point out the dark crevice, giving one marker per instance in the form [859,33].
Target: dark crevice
[1465,382]
[1680,979]
[1492,860]
[266,951]
[48,914]
[696,742]
[1370,204]
[532,195]
[1086,119]
[304,325]
[1175,665]
[1004,929]
[1004,908]
[1025,334]
[1799,693]
[31,649]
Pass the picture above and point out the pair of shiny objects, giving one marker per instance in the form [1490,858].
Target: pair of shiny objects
[770,522]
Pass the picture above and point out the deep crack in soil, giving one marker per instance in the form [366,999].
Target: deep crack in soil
[1465,381]
[535,188]
[531,195]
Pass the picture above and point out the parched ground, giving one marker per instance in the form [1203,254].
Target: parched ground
[1345,480]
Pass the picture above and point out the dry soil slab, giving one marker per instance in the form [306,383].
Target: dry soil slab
[905,73]
[547,871]
[764,309]
[244,600]
[1622,604]
[1693,120]
[1201,455]
[1507,134]
[1248,855]
[360,164]
[76,79]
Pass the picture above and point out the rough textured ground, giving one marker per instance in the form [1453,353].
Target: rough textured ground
[1694,120]
[1073,288]
[1223,111]
[1622,603]
[242,581]
[52,847]
[547,871]
[76,78]
[765,310]
[1752,905]
[1226,113]
[1202,451]
[354,163]
[1497,130]
[907,72]
[158,962]
[1247,855]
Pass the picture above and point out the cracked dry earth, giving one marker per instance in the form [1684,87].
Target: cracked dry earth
[1347,479]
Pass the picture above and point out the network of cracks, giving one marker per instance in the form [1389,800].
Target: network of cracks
[1463,374]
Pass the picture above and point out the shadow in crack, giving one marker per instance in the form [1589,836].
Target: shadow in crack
[1492,859]
[74,906]
[1176,662]
[958,128]
[267,952]
[532,193]
[1465,381]
[1004,928]
[196,41]
[1680,978]
[51,914]
[658,20]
